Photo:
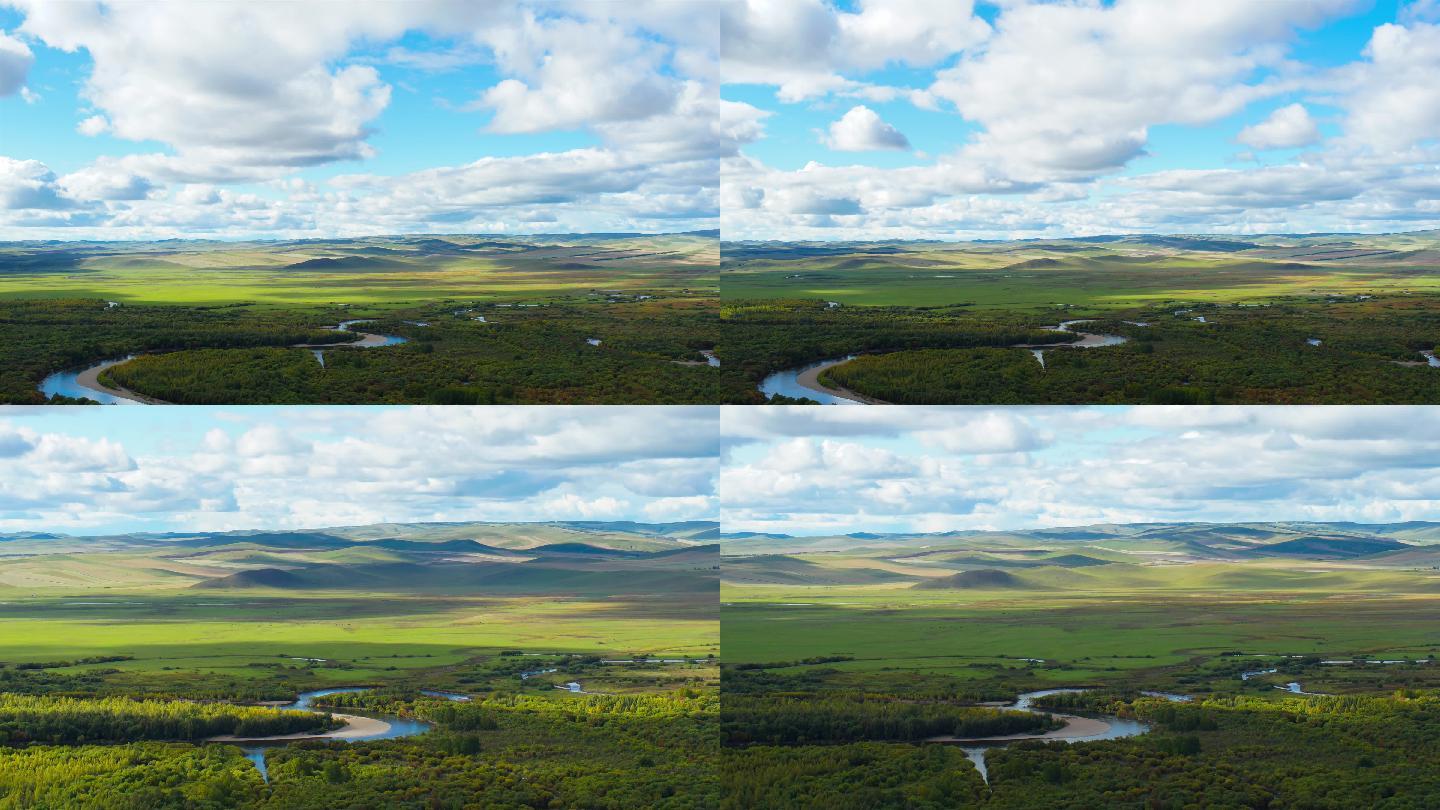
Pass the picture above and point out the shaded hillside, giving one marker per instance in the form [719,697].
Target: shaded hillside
[1176,542]
[979,579]
[256,578]
[1336,548]
[782,570]
[468,578]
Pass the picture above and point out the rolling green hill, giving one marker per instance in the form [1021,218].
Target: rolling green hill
[519,558]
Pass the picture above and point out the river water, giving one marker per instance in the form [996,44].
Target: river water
[305,701]
[67,383]
[1116,727]
[788,384]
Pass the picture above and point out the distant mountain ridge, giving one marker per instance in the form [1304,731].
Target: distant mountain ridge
[554,559]
[476,537]
[1213,540]
[1085,558]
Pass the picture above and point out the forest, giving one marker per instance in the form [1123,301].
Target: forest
[766,336]
[1238,355]
[798,718]
[1225,750]
[855,776]
[48,719]
[1298,352]
[1240,751]
[648,352]
[584,751]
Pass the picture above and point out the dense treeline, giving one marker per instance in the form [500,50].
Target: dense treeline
[649,352]
[281,683]
[740,680]
[39,337]
[576,708]
[1264,750]
[1243,751]
[817,659]
[802,719]
[502,751]
[93,659]
[760,337]
[1368,353]
[142,776]
[34,719]
[518,750]
[859,776]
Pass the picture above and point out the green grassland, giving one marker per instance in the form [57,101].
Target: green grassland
[928,316]
[1086,636]
[629,610]
[487,319]
[376,271]
[1107,273]
[1094,604]
[257,605]
[1350,612]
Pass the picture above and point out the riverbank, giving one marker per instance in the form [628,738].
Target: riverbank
[810,378]
[90,379]
[356,727]
[803,381]
[86,383]
[1075,727]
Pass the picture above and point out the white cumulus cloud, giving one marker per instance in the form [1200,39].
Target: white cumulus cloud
[1287,127]
[15,61]
[862,130]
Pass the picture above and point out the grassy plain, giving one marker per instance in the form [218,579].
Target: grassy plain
[1093,276]
[1092,637]
[376,272]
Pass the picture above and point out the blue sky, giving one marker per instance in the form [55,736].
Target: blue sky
[139,120]
[816,471]
[99,470]
[1079,117]
[775,119]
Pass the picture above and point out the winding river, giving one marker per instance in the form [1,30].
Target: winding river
[1076,728]
[86,382]
[805,380]
[1088,340]
[357,728]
